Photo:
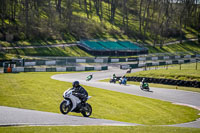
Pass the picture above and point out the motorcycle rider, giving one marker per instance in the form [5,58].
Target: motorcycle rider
[124,80]
[114,76]
[79,91]
[143,81]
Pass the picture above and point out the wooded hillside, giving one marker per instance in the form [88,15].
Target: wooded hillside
[150,21]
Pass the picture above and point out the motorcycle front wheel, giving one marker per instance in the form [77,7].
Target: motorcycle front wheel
[87,111]
[64,108]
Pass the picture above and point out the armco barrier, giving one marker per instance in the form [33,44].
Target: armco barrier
[195,84]
[57,69]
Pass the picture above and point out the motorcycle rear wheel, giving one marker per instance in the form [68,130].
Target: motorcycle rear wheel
[64,109]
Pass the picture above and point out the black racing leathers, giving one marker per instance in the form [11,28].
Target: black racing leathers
[80,92]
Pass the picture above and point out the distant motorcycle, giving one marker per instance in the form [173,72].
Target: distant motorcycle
[129,71]
[113,80]
[89,78]
[144,86]
[72,103]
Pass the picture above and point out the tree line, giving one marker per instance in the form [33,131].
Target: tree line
[58,19]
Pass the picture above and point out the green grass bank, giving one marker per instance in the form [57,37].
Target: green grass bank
[98,129]
[188,72]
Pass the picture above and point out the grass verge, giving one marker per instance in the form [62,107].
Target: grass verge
[98,129]
[186,47]
[55,51]
[187,72]
[38,91]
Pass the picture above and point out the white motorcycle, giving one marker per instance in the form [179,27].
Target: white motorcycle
[72,103]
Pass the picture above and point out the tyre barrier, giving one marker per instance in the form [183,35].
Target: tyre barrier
[184,83]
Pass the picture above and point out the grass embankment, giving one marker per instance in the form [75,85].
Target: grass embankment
[99,129]
[186,47]
[35,42]
[188,72]
[58,51]
[38,91]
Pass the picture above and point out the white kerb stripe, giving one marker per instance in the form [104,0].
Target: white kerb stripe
[180,61]
[187,56]
[154,58]
[80,60]
[60,69]
[166,57]
[142,58]
[114,60]
[125,66]
[98,68]
[18,69]
[192,60]
[79,68]
[30,63]
[155,63]
[40,69]
[141,65]
[169,62]
[50,62]
[98,60]
[177,57]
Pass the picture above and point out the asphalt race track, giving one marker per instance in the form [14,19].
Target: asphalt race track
[14,116]
[20,117]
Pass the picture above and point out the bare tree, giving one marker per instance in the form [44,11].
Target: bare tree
[125,15]
[86,8]
[113,9]
[99,10]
